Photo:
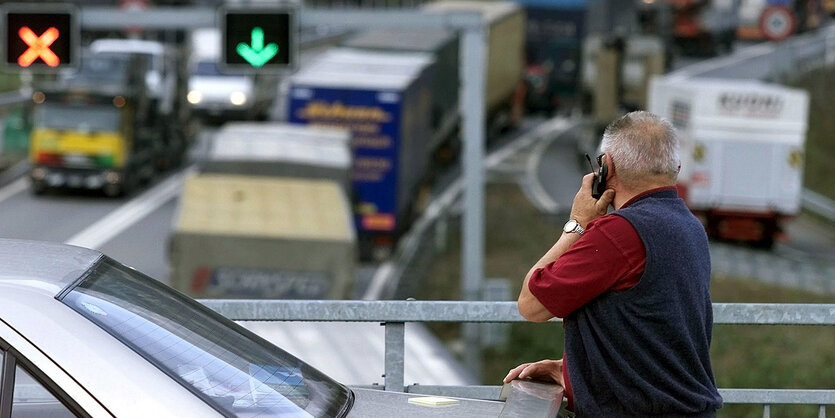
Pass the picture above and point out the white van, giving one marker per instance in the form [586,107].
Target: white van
[214,92]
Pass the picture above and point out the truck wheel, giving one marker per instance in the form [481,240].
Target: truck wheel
[770,231]
[113,190]
[38,188]
[121,189]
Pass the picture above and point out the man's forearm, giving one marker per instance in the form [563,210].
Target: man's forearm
[559,248]
[529,305]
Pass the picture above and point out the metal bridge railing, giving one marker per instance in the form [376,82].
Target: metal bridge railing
[394,314]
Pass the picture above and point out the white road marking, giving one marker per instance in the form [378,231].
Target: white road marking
[542,131]
[99,233]
[14,188]
[540,198]
[410,242]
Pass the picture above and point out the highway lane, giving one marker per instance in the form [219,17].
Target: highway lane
[49,217]
[87,218]
[144,245]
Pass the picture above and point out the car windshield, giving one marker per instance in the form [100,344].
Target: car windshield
[85,118]
[211,69]
[227,366]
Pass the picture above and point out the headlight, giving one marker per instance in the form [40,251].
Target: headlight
[237,98]
[38,173]
[194,97]
[112,177]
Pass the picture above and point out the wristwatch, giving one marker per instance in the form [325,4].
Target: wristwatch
[573,226]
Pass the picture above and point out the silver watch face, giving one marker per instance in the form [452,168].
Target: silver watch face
[570,226]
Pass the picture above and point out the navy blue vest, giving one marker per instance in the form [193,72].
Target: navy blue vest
[645,351]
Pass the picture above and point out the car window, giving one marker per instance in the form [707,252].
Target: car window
[30,399]
[235,371]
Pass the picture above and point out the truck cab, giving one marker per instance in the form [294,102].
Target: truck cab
[164,78]
[89,129]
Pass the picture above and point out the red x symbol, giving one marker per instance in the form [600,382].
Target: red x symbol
[38,47]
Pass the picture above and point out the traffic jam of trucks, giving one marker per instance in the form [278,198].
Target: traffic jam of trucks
[367,123]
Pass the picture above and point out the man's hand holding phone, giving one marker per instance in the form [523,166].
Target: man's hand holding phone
[585,207]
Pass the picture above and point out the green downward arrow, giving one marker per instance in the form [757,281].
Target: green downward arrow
[257,54]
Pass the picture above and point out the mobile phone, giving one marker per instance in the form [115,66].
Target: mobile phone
[598,185]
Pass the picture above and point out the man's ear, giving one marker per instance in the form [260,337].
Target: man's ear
[610,165]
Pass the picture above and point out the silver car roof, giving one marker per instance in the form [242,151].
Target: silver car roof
[44,262]
[31,275]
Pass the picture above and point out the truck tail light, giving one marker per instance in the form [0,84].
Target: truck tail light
[383,241]
[378,222]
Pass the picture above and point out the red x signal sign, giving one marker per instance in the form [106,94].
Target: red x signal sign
[38,36]
[38,47]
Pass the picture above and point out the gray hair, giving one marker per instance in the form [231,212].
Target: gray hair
[642,144]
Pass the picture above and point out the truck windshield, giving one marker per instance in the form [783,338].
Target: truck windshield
[85,118]
[104,68]
[227,366]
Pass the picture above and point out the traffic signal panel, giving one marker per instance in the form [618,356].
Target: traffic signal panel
[39,39]
[259,39]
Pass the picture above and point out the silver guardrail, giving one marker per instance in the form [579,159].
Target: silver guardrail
[13,98]
[769,61]
[819,204]
[394,314]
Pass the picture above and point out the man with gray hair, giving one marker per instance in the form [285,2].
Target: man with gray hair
[632,287]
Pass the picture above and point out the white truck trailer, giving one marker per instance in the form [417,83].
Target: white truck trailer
[742,152]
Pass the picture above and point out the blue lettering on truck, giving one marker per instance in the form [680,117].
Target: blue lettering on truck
[374,118]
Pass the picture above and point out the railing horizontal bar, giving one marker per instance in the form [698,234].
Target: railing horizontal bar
[490,393]
[730,396]
[171,18]
[366,311]
[458,311]
[13,98]
[778,396]
[774,313]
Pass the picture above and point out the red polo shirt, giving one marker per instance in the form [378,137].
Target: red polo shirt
[609,257]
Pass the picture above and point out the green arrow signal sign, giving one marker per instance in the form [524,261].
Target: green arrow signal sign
[257,54]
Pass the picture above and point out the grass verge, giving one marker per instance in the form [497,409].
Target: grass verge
[9,82]
[820,148]
[743,356]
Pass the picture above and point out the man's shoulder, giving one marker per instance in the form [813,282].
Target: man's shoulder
[610,223]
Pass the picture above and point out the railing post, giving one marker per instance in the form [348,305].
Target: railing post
[473,59]
[822,411]
[766,411]
[395,352]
